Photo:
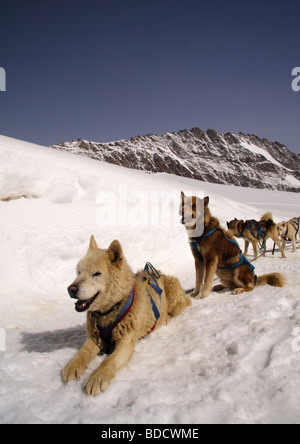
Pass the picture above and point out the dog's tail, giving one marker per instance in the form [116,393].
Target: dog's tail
[266,217]
[273,279]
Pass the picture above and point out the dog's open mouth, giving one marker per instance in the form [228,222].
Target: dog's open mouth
[83,305]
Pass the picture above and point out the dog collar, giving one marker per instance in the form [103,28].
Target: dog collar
[106,332]
[110,310]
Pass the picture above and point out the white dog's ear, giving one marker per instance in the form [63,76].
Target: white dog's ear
[115,252]
[93,244]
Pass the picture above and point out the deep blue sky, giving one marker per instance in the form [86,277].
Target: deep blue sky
[111,69]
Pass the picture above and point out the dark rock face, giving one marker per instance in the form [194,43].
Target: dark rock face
[241,160]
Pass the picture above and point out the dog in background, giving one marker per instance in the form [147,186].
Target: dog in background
[216,252]
[288,231]
[256,232]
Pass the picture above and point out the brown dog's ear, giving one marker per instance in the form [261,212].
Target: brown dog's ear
[93,244]
[115,252]
[182,196]
[206,201]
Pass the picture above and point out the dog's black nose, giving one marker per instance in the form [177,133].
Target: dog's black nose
[73,290]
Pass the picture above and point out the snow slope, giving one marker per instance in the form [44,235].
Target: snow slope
[226,359]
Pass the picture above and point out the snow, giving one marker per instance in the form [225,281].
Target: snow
[226,359]
[257,150]
[292,180]
[289,179]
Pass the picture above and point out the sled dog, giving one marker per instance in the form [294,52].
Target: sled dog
[289,231]
[122,307]
[216,251]
[256,232]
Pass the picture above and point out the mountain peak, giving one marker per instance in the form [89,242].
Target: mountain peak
[237,159]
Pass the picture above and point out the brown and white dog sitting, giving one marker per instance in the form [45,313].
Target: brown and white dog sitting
[216,252]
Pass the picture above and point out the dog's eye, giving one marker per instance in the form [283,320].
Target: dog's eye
[97,274]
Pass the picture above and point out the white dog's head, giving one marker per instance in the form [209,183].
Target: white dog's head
[97,274]
[282,228]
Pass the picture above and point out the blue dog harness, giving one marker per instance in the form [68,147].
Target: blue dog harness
[295,225]
[259,230]
[105,333]
[243,260]
[153,273]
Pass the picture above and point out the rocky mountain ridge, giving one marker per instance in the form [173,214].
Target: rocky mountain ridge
[241,159]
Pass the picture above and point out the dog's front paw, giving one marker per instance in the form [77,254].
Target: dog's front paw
[201,296]
[74,370]
[98,381]
[239,290]
[167,319]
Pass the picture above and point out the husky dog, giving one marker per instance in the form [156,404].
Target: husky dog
[289,231]
[256,232]
[216,252]
[121,307]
